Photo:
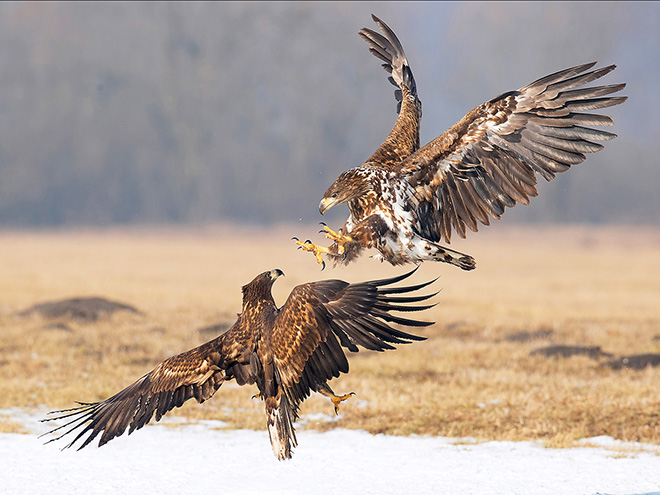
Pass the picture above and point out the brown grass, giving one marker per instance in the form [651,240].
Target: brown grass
[590,286]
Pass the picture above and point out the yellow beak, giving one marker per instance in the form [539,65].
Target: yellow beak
[325,205]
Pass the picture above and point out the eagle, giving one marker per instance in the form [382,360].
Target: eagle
[286,352]
[405,201]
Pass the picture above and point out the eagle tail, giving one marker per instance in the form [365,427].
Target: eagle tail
[442,253]
[280,426]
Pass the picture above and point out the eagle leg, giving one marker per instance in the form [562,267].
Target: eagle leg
[338,237]
[323,389]
[336,400]
[313,248]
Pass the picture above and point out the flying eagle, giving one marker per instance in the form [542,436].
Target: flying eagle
[287,352]
[406,200]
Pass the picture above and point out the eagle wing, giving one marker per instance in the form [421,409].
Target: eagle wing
[320,317]
[489,160]
[404,137]
[197,373]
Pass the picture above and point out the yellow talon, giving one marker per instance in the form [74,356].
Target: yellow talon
[323,389]
[338,237]
[336,400]
[312,248]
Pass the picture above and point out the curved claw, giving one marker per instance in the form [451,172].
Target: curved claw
[316,250]
[323,223]
[338,400]
[294,238]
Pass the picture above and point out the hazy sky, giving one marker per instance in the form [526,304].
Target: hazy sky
[191,112]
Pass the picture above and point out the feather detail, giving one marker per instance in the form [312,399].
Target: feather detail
[497,148]
[287,352]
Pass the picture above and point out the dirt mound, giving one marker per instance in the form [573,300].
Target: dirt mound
[79,308]
[527,336]
[570,350]
[58,325]
[636,362]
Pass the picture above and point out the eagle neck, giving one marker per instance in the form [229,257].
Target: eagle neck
[366,203]
[257,302]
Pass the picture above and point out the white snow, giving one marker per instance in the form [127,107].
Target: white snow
[176,458]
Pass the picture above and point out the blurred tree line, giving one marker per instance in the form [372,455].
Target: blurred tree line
[193,112]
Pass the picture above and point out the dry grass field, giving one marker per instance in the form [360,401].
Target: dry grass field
[582,286]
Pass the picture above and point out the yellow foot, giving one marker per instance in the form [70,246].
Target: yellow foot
[338,237]
[323,389]
[312,248]
[336,400]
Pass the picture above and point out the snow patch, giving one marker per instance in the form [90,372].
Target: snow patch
[205,458]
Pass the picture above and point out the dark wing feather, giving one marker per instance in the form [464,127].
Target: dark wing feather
[404,137]
[489,160]
[320,317]
[197,374]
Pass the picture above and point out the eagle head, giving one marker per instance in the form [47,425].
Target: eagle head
[260,287]
[349,185]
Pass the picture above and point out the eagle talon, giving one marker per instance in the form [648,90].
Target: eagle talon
[337,236]
[317,251]
[336,400]
[323,389]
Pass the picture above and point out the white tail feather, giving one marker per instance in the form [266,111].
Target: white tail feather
[281,431]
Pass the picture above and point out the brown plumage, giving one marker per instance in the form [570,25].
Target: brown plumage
[286,352]
[405,200]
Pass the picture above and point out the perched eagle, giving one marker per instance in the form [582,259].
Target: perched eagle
[405,200]
[287,352]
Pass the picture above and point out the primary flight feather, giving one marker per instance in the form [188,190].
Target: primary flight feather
[406,200]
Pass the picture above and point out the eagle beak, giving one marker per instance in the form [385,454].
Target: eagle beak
[276,273]
[325,205]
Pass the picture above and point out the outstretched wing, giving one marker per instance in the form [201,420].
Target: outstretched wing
[320,317]
[488,161]
[196,373]
[404,137]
